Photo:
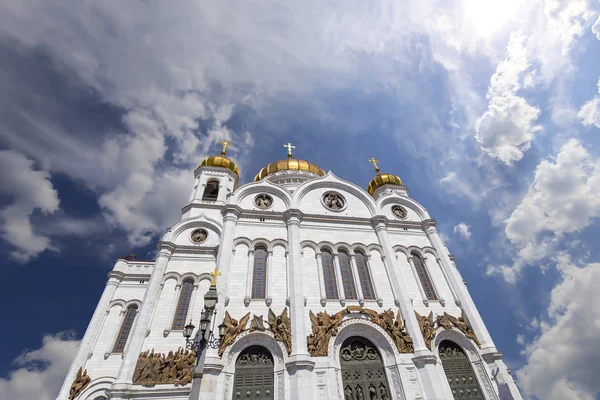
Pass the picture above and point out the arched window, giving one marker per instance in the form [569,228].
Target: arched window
[331,290]
[253,376]
[363,373]
[211,192]
[125,328]
[424,277]
[347,278]
[459,372]
[183,304]
[259,273]
[365,278]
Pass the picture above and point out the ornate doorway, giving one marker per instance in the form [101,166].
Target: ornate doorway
[459,372]
[363,373]
[253,379]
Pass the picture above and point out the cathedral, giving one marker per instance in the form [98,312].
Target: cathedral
[299,285]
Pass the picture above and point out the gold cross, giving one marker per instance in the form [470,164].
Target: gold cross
[374,162]
[225,143]
[214,275]
[289,147]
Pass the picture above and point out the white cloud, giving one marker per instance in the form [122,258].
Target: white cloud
[596,28]
[41,372]
[463,230]
[562,362]
[28,190]
[506,129]
[521,339]
[589,113]
[564,197]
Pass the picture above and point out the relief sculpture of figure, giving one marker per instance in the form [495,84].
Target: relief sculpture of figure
[232,330]
[427,328]
[157,368]
[447,321]
[257,324]
[281,327]
[323,326]
[81,381]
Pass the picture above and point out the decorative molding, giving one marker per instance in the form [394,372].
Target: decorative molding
[397,384]
[227,385]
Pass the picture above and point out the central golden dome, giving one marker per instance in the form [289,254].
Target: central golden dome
[289,165]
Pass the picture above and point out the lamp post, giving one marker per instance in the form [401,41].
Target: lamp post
[204,336]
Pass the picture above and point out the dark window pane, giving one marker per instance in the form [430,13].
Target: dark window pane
[347,278]
[259,274]
[183,304]
[424,277]
[331,291]
[365,278]
[125,329]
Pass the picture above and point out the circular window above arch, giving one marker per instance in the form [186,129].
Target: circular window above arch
[263,201]
[399,211]
[334,201]
[199,236]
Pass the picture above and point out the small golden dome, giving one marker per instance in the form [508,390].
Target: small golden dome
[220,161]
[289,165]
[383,179]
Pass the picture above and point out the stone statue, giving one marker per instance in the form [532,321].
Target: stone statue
[156,368]
[257,324]
[232,330]
[427,328]
[81,381]
[281,327]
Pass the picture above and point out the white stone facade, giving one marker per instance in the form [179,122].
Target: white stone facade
[293,230]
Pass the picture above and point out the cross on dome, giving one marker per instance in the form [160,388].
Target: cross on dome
[214,275]
[225,143]
[374,162]
[289,147]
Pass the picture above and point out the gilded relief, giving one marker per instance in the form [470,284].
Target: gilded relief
[232,330]
[79,383]
[157,368]
[426,324]
[281,327]
[447,321]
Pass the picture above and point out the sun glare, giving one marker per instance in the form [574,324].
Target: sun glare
[489,16]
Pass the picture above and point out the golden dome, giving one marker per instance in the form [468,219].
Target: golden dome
[383,179]
[289,165]
[220,161]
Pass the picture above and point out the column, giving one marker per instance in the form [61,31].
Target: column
[357,281]
[212,364]
[249,275]
[424,358]
[300,365]
[338,279]
[466,302]
[373,283]
[91,332]
[319,258]
[439,263]
[413,268]
[268,298]
[172,309]
[142,321]
[190,312]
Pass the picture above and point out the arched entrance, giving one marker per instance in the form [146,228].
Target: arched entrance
[363,373]
[253,378]
[459,372]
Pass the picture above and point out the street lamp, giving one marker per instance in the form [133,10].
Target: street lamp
[205,336]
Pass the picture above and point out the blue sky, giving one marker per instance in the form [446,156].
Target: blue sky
[488,110]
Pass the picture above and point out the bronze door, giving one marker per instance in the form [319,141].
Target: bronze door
[363,373]
[253,379]
[459,372]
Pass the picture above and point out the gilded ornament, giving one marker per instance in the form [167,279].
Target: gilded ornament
[257,324]
[447,321]
[214,276]
[281,327]
[427,328]
[395,328]
[232,330]
[79,383]
[157,368]
[323,327]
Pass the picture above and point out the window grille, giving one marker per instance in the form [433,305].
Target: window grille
[259,273]
[125,329]
[185,296]
[346,273]
[424,277]
[365,278]
[331,290]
